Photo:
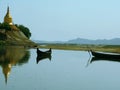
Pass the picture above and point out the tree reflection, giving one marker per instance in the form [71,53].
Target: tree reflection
[11,56]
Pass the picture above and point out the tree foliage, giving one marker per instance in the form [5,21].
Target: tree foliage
[25,30]
[22,28]
[3,36]
[5,26]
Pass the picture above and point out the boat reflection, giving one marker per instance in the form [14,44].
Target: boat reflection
[93,59]
[12,56]
[43,55]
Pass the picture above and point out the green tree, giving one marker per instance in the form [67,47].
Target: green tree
[3,36]
[22,28]
[5,26]
[25,30]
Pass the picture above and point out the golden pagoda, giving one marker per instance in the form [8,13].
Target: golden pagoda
[8,20]
[8,17]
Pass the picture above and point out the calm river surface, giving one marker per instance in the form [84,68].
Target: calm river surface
[67,70]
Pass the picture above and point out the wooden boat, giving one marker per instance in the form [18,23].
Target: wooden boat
[105,55]
[39,52]
[43,55]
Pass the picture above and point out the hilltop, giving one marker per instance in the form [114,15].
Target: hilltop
[15,38]
[14,34]
[114,41]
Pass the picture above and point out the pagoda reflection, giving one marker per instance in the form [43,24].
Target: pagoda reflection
[12,56]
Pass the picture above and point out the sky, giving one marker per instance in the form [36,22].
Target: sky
[62,20]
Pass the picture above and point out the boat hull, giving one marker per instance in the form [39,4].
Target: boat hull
[105,55]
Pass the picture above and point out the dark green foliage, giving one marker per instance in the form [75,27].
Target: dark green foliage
[3,36]
[5,26]
[24,29]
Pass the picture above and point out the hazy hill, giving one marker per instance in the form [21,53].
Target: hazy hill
[114,41]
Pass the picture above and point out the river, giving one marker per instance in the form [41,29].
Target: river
[64,70]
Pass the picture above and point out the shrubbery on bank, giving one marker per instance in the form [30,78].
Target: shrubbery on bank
[6,27]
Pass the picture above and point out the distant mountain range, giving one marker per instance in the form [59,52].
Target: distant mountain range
[114,41]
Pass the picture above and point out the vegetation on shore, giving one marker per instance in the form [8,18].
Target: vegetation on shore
[6,27]
[85,47]
[14,34]
[8,35]
[25,30]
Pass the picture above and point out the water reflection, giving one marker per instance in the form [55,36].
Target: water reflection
[11,56]
[43,55]
[104,59]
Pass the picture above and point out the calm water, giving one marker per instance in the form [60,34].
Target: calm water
[67,70]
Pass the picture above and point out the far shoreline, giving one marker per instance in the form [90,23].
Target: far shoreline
[75,47]
[82,47]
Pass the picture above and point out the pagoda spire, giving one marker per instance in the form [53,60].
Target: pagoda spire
[8,17]
[8,11]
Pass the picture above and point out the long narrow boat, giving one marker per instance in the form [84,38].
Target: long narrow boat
[105,55]
[39,52]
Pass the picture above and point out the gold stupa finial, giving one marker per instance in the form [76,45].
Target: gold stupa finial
[8,17]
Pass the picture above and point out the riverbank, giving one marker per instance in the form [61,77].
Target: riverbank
[103,48]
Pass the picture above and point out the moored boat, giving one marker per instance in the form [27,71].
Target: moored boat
[105,55]
[39,52]
[43,55]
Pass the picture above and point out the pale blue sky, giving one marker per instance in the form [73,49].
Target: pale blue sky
[61,20]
